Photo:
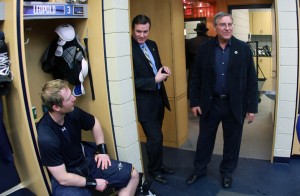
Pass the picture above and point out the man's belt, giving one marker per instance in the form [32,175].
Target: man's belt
[223,97]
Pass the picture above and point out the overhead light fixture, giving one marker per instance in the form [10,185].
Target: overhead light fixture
[203,4]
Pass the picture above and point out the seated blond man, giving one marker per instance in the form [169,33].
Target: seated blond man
[77,168]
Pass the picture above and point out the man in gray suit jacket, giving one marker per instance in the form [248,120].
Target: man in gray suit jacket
[151,96]
[223,89]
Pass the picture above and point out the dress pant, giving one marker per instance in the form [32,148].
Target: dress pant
[154,144]
[220,112]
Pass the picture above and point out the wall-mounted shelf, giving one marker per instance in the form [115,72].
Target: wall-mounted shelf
[2,11]
[40,10]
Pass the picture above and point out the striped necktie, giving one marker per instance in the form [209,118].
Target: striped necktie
[150,63]
[147,55]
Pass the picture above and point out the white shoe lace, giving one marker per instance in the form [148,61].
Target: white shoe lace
[4,64]
[150,193]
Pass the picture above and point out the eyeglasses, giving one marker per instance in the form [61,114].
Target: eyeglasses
[224,25]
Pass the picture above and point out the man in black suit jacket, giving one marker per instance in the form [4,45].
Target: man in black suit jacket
[223,89]
[192,46]
[151,96]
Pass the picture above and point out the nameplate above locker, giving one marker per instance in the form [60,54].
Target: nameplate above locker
[39,10]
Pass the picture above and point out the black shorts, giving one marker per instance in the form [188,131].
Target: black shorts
[117,175]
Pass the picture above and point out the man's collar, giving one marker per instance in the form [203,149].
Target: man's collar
[228,43]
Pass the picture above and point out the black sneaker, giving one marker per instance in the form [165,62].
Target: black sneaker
[149,193]
[145,190]
[5,73]
[4,61]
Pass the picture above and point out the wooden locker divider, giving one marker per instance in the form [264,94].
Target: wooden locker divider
[28,37]
[15,113]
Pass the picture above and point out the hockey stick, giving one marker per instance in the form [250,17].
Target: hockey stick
[90,71]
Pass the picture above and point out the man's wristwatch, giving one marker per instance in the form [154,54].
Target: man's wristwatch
[90,183]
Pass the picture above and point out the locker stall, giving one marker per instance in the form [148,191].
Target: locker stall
[14,112]
[29,28]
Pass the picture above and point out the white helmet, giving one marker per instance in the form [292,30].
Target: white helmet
[66,32]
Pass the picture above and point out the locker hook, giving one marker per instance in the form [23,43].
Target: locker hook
[27,41]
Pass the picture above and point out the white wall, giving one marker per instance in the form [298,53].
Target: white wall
[118,50]
[287,57]
[241,24]
[189,29]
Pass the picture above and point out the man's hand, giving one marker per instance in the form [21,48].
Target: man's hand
[161,76]
[250,117]
[101,184]
[103,160]
[196,111]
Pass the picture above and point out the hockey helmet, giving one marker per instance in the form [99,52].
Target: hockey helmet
[66,32]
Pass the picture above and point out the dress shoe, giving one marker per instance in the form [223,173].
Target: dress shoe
[226,182]
[192,178]
[166,170]
[161,179]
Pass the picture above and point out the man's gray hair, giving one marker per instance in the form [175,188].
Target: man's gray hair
[221,15]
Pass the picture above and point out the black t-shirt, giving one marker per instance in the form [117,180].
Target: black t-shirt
[62,144]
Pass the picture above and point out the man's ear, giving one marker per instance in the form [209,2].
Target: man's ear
[56,108]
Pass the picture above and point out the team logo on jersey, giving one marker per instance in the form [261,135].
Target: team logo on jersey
[120,166]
